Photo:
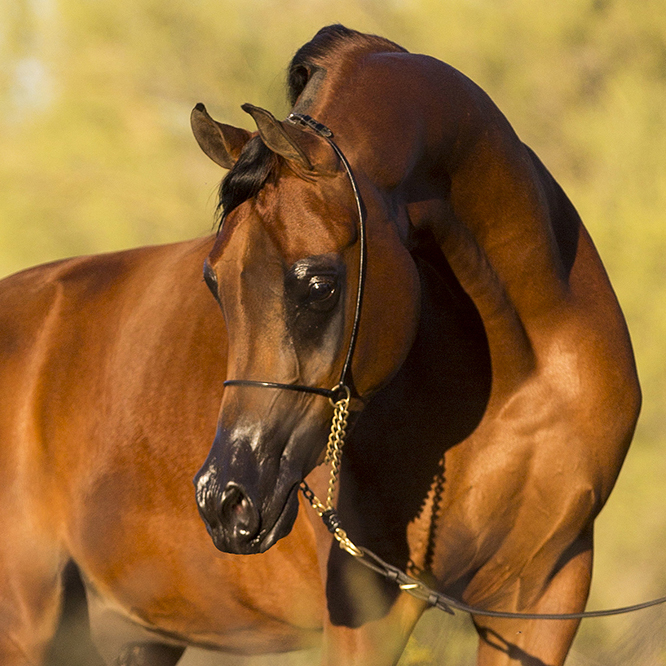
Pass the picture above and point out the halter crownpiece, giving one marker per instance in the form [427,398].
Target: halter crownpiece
[314,125]
[345,384]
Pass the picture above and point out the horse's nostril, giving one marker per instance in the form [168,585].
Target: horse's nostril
[233,500]
[238,513]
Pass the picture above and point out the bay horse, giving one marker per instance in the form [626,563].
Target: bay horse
[492,389]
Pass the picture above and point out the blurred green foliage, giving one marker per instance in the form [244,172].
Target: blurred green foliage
[97,155]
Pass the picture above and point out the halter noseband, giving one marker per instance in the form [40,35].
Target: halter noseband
[344,385]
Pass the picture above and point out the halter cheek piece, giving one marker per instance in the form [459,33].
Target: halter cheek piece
[340,394]
[344,386]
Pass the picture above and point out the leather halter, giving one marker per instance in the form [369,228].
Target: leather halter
[345,385]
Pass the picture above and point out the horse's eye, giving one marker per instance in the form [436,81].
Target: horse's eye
[322,293]
[312,287]
[320,290]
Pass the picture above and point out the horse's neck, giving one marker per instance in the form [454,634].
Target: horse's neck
[496,234]
[500,228]
[463,174]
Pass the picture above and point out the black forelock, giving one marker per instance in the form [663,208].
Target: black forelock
[250,173]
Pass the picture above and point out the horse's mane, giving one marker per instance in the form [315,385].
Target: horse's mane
[327,47]
[257,163]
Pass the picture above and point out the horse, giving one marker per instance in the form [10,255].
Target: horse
[392,246]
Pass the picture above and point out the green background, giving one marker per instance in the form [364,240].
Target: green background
[96,154]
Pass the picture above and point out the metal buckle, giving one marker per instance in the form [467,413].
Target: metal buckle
[308,121]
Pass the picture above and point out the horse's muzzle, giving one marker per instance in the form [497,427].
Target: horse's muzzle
[233,518]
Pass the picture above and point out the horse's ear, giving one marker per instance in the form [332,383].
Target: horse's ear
[222,143]
[275,135]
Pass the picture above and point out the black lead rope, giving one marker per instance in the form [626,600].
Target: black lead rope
[435,599]
[345,376]
[417,588]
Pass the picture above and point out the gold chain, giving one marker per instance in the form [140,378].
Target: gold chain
[336,439]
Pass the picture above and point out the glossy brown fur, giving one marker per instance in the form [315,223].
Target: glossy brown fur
[498,393]
[111,382]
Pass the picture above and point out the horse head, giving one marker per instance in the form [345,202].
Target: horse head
[285,269]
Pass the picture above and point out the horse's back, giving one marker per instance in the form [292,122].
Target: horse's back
[58,323]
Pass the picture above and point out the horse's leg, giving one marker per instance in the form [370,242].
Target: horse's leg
[30,593]
[377,642]
[150,654]
[540,642]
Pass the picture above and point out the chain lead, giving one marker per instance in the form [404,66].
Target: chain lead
[336,439]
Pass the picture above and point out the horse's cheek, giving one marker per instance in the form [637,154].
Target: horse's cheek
[394,308]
